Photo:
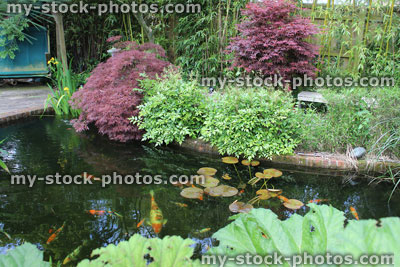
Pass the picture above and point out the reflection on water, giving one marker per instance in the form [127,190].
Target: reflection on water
[49,146]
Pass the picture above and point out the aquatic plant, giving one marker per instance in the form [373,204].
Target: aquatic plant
[63,87]
[108,99]
[170,251]
[25,255]
[321,230]
[273,40]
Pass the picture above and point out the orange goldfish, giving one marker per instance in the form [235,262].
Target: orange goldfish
[182,205]
[53,236]
[284,199]
[156,217]
[98,212]
[354,212]
[318,200]
[140,223]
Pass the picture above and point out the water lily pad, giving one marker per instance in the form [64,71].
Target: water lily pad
[207,171]
[192,192]
[245,162]
[221,191]
[260,175]
[240,207]
[255,163]
[273,173]
[274,192]
[293,204]
[226,177]
[230,160]
[207,181]
[263,194]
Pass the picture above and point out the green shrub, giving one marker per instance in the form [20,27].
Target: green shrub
[356,117]
[172,109]
[251,123]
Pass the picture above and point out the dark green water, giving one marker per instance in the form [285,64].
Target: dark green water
[49,146]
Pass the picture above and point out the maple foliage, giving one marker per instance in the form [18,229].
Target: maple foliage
[108,98]
[272,40]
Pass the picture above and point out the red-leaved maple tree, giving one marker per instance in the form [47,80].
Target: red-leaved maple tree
[108,98]
[272,40]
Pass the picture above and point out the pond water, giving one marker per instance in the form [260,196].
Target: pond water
[48,146]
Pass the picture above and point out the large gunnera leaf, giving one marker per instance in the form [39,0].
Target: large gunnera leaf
[140,252]
[22,256]
[320,231]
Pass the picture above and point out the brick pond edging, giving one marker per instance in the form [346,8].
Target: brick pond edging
[22,102]
[306,160]
[11,117]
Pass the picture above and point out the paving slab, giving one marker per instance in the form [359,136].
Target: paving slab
[22,101]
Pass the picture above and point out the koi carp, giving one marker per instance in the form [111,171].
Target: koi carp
[55,234]
[284,199]
[156,217]
[318,200]
[354,212]
[156,220]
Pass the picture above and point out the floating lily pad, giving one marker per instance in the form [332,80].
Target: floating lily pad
[273,173]
[221,191]
[255,163]
[293,204]
[260,175]
[240,207]
[226,177]
[274,192]
[263,194]
[207,181]
[207,171]
[192,192]
[230,160]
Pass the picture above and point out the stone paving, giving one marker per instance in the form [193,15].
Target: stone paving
[22,101]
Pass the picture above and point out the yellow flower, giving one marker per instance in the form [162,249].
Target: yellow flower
[66,89]
[50,61]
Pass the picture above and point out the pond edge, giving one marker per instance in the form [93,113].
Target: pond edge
[317,160]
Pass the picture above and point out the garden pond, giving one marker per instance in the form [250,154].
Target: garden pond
[49,146]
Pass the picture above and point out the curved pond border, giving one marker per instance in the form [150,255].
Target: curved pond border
[12,117]
[315,160]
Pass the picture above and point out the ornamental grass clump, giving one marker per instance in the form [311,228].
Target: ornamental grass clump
[108,98]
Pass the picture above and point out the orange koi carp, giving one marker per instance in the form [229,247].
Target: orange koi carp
[284,199]
[98,212]
[354,212]
[53,236]
[156,217]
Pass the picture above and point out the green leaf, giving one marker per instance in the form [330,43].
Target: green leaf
[22,256]
[137,252]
